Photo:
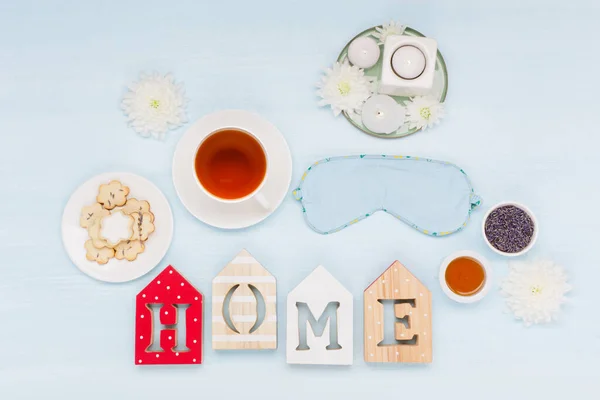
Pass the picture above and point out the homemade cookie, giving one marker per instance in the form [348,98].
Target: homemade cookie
[129,250]
[116,228]
[138,206]
[91,214]
[144,225]
[94,234]
[112,195]
[101,256]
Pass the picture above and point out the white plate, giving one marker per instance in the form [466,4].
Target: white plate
[232,215]
[74,236]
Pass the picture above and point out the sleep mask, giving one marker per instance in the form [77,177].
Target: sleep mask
[433,197]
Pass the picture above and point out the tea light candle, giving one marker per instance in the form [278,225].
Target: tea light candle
[381,114]
[363,52]
[408,62]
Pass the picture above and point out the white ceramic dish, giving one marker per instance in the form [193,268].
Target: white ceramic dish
[239,214]
[531,215]
[74,236]
[486,284]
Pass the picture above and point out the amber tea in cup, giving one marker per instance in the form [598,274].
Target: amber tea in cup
[465,276]
[230,164]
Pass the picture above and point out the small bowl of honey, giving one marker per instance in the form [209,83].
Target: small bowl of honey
[465,276]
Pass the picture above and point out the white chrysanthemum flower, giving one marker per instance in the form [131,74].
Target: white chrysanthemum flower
[393,28]
[344,88]
[535,290]
[154,105]
[424,112]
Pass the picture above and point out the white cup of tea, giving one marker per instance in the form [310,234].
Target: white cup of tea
[231,166]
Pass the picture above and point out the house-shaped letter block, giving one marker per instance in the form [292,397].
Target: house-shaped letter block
[244,306]
[168,321]
[409,301]
[319,321]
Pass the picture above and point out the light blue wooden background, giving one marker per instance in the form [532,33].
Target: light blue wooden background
[523,110]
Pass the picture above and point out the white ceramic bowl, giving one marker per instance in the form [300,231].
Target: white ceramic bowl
[535,228]
[486,284]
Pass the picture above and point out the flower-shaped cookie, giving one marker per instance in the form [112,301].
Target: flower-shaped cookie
[129,250]
[116,228]
[112,195]
[137,206]
[95,236]
[144,225]
[101,256]
[90,215]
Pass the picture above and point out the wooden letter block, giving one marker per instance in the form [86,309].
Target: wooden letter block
[401,332]
[180,307]
[168,338]
[239,290]
[329,307]
[168,315]
[411,300]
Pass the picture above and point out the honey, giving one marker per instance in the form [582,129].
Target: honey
[465,276]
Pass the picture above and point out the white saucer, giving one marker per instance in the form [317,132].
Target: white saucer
[232,215]
[74,236]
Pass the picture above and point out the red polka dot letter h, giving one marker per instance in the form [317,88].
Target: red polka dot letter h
[168,321]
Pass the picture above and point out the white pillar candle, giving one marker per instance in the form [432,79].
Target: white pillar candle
[408,62]
[363,52]
[381,114]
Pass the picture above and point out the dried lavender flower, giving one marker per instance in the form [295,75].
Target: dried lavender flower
[509,229]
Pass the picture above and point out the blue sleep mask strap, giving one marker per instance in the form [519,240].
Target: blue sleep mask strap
[476,201]
[297,194]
